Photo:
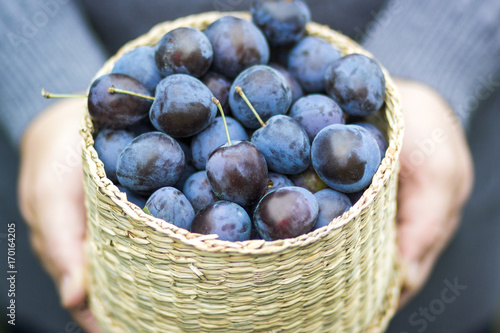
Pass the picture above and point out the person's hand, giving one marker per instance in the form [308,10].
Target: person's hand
[51,200]
[435,182]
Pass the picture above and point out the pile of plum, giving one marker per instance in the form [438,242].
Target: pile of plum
[247,130]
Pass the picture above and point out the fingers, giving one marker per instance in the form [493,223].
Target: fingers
[434,186]
[417,272]
[83,316]
[424,216]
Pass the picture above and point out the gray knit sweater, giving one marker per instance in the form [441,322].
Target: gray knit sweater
[453,46]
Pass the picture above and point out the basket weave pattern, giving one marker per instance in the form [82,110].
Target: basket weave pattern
[146,275]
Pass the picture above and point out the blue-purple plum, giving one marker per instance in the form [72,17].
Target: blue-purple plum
[237,44]
[282,21]
[286,213]
[182,107]
[238,173]
[109,144]
[189,169]
[332,204]
[169,204]
[266,89]
[219,85]
[377,135]
[151,161]
[198,191]
[184,50]
[315,112]
[212,137]
[133,197]
[140,64]
[346,157]
[226,219]
[308,61]
[278,181]
[357,84]
[284,144]
[297,91]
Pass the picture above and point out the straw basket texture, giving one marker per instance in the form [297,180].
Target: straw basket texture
[146,275]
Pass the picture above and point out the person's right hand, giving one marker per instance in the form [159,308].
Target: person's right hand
[434,185]
[51,200]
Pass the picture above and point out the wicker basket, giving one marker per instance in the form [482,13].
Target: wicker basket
[146,275]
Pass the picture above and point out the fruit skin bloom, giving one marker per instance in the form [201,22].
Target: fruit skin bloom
[238,173]
[286,213]
[283,22]
[151,161]
[226,219]
[182,106]
[238,44]
[345,157]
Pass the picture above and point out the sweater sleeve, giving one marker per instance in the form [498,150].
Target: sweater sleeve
[452,46]
[43,44]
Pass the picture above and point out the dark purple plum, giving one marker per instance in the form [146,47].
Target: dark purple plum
[332,204]
[151,161]
[183,106]
[219,85]
[133,197]
[237,44]
[284,144]
[315,112]
[169,204]
[377,135]
[212,137]
[225,219]
[309,180]
[141,127]
[238,173]
[282,21]
[184,50]
[308,61]
[345,157]
[109,144]
[189,169]
[354,197]
[357,84]
[278,181]
[198,191]
[266,89]
[297,91]
[254,234]
[140,64]
[286,213]
[280,55]
[117,110]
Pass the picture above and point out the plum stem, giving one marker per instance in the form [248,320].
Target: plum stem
[47,94]
[219,106]
[113,90]
[239,90]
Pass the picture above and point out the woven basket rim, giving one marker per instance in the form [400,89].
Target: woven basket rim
[210,243]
